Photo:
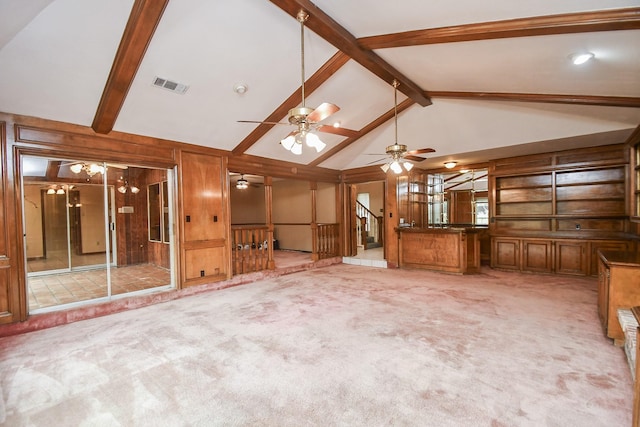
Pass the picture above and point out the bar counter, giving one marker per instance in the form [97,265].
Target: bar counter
[448,249]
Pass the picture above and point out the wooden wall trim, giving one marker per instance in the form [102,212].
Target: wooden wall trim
[95,148]
[255,165]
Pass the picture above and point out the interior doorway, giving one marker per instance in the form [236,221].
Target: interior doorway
[370,220]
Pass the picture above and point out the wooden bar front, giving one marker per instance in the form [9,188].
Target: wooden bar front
[452,250]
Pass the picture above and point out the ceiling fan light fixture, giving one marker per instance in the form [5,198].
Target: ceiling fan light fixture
[395,167]
[242,184]
[76,168]
[60,191]
[312,140]
[408,166]
[51,191]
[450,165]
[581,57]
[296,149]
[385,167]
[288,142]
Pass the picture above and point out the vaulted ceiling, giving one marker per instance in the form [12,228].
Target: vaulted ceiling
[478,80]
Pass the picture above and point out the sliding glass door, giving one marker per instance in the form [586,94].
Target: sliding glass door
[86,231]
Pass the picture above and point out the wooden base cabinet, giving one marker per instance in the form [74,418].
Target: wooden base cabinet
[571,257]
[505,253]
[618,287]
[537,255]
[561,256]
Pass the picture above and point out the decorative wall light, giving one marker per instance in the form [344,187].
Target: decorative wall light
[126,187]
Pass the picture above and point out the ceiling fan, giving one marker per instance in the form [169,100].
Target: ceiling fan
[400,156]
[307,119]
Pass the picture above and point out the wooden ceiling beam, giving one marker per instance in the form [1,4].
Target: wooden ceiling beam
[607,101]
[143,21]
[324,26]
[310,85]
[365,130]
[605,20]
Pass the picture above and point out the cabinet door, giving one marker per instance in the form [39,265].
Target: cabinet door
[202,197]
[571,257]
[204,262]
[537,256]
[603,294]
[505,253]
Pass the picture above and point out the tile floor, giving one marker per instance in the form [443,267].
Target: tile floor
[369,258]
[64,288]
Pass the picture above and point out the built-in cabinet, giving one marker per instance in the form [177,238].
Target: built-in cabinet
[553,212]
[562,256]
[204,219]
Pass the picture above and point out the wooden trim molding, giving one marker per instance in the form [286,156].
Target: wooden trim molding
[145,17]
[604,20]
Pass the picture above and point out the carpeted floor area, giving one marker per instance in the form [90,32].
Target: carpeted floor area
[338,346]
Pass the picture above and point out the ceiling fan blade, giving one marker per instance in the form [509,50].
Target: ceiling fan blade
[377,161]
[264,123]
[422,151]
[338,131]
[322,112]
[117,166]
[413,158]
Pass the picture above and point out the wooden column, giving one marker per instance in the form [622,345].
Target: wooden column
[268,203]
[391,238]
[314,225]
[13,300]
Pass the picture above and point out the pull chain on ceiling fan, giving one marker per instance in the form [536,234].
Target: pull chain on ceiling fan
[307,119]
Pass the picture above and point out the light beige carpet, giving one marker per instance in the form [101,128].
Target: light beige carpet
[338,346]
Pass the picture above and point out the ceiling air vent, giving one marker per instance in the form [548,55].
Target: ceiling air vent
[169,85]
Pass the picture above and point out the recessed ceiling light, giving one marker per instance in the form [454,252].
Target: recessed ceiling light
[240,88]
[336,125]
[581,58]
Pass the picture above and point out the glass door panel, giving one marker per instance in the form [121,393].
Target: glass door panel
[84,240]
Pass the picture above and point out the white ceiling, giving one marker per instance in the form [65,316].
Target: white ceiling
[56,55]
